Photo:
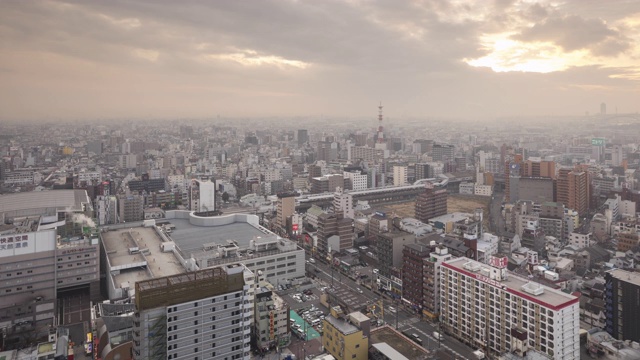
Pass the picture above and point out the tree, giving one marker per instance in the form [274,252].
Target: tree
[225,196]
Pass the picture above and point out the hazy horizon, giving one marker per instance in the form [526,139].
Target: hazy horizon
[65,60]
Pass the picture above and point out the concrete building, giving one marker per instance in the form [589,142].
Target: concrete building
[489,308]
[400,174]
[271,314]
[174,322]
[431,282]
[130,208]
[328,183]
[334,225]
[413,256]
[390,248]
[537,189]
[572,190]
[106,210]
[622,296]
[48,246]
[343,204]
[431,203]
[285,207]
[202,196]
[442,152]
[355,180]
[346,336]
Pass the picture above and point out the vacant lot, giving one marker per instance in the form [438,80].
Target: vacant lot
[455,203]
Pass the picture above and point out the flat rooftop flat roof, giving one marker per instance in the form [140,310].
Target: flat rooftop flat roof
[550,297]
[341,325]
[153,262]
[627,276]
[398,342]
[190,238]
[55,199]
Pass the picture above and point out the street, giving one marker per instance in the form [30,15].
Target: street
[402,319]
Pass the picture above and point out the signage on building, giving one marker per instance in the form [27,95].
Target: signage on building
[294,227]
[76,250]
[14,242]
[381,214]
[488,280]
[597,142]
[499,262]
[271,326]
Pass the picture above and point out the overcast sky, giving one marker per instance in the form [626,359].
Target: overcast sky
[177,59]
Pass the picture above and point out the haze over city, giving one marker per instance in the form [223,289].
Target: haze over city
[70,60]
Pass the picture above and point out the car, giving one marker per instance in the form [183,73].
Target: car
[392,309]
[359,290]
[375,271]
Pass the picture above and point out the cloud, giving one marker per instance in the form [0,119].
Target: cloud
[576,33]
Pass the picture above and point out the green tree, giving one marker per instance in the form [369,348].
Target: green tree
[225,196]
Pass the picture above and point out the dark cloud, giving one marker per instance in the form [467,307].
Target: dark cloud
[574,33]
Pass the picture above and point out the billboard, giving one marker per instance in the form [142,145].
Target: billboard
[597,142]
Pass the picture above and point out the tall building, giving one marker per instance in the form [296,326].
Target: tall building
[413,256]
[174,322]
[603,109]
[48,246]
[328,183]
[400,174]
[343,204]
[431,282]
[442,152]
[572,190]
[202,196]
[346,337]
[487,307]
[106,210]
[286,206]
[330,225]
[130,208]
[271,326]
[303,137]
[622,296]
[390,247]
[355,180]
[431,203]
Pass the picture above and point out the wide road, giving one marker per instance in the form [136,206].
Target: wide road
[401,319]
[497,224]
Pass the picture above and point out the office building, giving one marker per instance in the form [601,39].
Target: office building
[442,152]
[390,247]
[48,246]
[431,281]
[431,203]
[343,204]
[413,256]
[130,207]
[330,225]
[622,296]
[174,322]
[327,183]
[202,196]
[285,207]
[302,137]
[400,174]
[572,190]
[489,308]
[355,180]
[346,337]
[106,210]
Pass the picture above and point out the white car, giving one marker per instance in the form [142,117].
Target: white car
[392,309]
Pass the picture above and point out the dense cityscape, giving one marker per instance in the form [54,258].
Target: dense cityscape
[394,240]
[320,180]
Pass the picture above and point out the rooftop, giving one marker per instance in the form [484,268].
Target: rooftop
[44,202]
[401,344]
[191,238]
[343,326]
[514,284]
[389,352]
[626,276]
[137,254]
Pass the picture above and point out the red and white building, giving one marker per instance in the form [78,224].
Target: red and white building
[499,312]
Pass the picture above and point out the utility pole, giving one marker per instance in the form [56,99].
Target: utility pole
[397,312]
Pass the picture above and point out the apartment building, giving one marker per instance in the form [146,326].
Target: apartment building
[487,307]
[174,322]
[346,337]
[622,296]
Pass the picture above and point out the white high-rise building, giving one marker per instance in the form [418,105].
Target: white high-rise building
[357,179]
[203,195]
[489,308]
[400,175]
[343,203]
[106,210]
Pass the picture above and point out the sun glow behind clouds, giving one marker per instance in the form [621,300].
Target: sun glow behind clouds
[252,58]
[507,55]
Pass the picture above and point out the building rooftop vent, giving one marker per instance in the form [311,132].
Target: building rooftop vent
[471,266]
[533,288]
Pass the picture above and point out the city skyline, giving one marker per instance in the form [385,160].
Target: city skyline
[467,59]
